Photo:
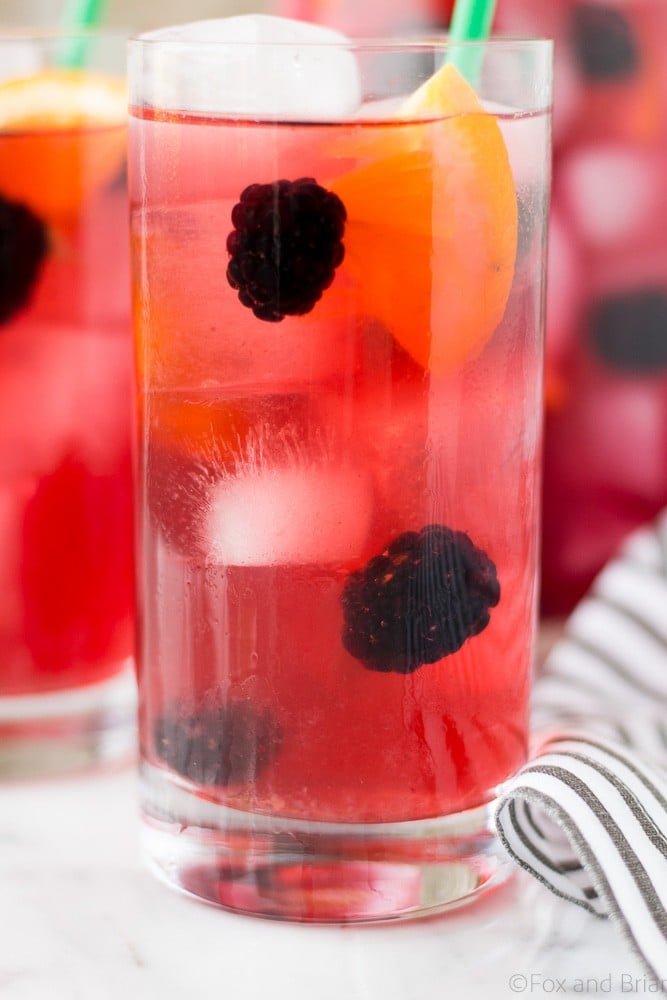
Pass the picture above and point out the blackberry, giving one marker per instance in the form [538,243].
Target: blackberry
[419,600]
[629,332]
[23,245]
[603,42]
[217,743]
[285,246]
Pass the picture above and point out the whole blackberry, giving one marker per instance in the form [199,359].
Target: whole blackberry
[285,246]
[23,245]
[419,600]
[604,43]
[217,743]
[629,331]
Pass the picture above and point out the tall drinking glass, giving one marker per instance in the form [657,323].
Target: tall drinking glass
[338,257]
[67,695]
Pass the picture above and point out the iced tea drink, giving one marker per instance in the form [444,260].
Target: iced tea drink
[65,381]
[337,315]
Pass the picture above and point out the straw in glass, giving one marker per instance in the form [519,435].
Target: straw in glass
[471,22]
[80,17]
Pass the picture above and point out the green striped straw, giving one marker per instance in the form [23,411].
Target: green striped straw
[471,22]
[79,17]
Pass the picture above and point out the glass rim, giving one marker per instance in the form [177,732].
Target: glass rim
[9,36]
[428,42]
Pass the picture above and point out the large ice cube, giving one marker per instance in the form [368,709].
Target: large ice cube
[250,66]
[210,339]
[290,516]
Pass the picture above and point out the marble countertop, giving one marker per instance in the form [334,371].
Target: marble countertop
[80,919]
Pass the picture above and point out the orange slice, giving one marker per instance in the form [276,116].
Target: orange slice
[432,224]
[63,137]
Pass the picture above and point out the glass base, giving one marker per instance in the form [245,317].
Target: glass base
[290,869]
[51,734]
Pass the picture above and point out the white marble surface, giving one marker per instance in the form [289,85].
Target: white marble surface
[81,920]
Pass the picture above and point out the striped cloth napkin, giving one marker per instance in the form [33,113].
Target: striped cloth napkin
[587,815]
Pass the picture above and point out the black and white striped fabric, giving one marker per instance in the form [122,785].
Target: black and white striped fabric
[588,814]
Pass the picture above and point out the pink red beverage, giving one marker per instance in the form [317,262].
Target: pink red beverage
[65,364]
[338,351]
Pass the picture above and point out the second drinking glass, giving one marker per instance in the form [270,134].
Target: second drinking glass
[338,264]
[67,688]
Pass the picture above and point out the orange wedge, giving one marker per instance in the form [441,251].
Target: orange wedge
[432,224]
[63,137]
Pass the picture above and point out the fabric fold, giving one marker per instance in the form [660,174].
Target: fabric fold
[587,815]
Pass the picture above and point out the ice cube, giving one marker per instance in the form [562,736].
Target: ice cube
[290,516]
[609,192]
[249,66]
[196,339]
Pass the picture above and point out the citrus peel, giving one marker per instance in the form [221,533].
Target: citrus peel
[66,129]
[432,224]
